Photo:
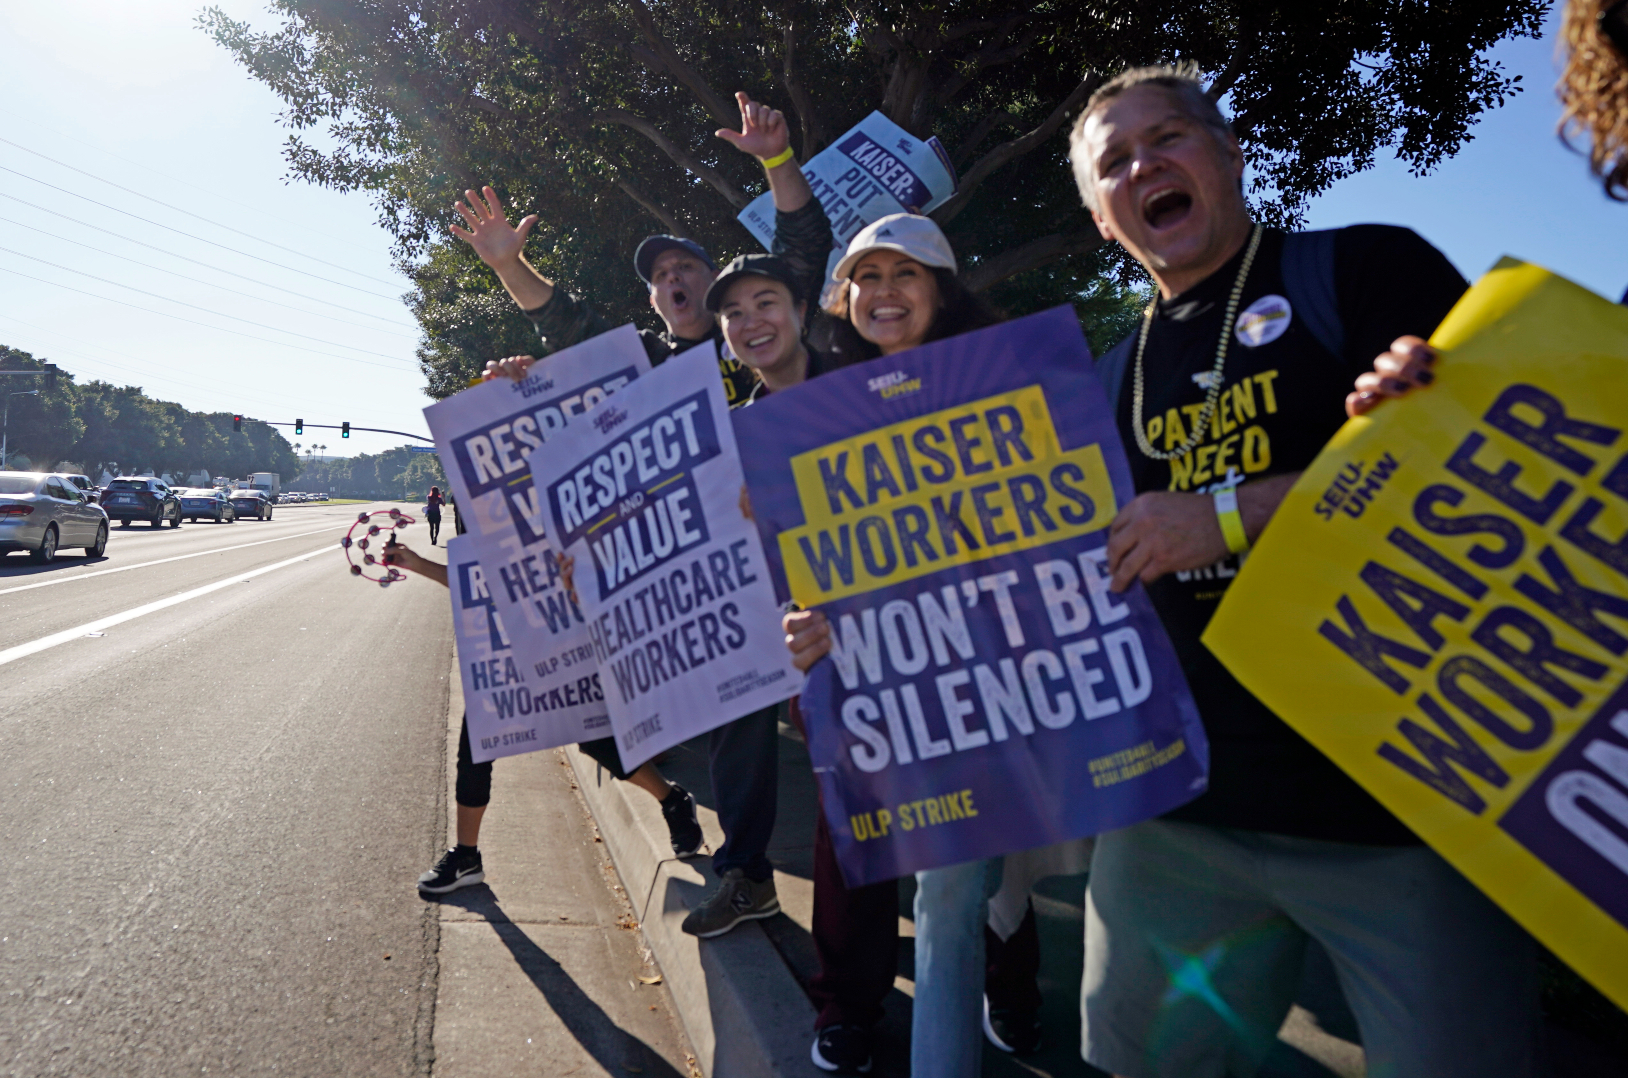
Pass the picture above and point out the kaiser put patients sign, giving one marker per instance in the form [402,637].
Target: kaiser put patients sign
[948,509]
[1441,606]
[645,493]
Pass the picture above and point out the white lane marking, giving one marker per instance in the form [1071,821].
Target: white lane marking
[33,647]
[160,561]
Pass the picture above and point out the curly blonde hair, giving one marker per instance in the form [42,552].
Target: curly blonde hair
[1594,90]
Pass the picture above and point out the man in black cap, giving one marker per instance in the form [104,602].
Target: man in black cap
[744,753]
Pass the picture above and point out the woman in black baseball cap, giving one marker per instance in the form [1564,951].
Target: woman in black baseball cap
[762,309]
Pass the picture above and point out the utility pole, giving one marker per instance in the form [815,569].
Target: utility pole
[5,425]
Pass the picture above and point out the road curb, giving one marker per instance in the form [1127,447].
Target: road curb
[744,1012]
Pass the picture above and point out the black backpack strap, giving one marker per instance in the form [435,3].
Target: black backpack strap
[1308,280]
[1113,367]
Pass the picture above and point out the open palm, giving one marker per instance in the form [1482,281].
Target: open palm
[489,231]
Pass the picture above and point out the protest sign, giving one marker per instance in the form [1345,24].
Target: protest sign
[645,494]
[499,704]
[874,169]
[948,509]
[483,435]
[1440,605]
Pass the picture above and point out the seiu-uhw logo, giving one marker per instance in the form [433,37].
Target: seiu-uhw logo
[528,388]
[894,384]
[609,420]
[1356,485]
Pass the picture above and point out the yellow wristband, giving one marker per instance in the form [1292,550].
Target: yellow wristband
[778,159]
[1232,522]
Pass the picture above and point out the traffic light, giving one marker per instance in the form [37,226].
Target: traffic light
[344,429]
[50,377]
[237,424]
[299,426]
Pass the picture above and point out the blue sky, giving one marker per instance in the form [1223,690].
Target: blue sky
[1514,190]
[131,93]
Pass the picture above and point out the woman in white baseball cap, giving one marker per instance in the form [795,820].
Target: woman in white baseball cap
[898,287]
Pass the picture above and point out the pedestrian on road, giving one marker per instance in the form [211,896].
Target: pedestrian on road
[461,865]
[432,513]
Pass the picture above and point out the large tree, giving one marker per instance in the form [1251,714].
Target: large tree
[599,116]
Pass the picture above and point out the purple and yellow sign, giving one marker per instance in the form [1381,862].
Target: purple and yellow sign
[948,509]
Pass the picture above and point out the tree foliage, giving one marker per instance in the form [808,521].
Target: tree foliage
[395,473]
[599,116]
[99,425]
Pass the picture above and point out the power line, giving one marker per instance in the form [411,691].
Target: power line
[190,236]
[189,213]
[212,192]
[208,284]
[149,377]
[195,262]
[193,306]
[195,322]
[141,370]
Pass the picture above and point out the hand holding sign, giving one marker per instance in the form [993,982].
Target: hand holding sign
[1407,365]
[1439,607]
[644,495]
[946,509]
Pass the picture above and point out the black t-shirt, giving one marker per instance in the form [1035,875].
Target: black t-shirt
[1283,396]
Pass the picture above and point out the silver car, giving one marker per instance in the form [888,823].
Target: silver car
[40,513]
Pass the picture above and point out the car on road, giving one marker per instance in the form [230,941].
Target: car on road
[208,503]
[42,513]
[91,491]
[249,502]
[142,497]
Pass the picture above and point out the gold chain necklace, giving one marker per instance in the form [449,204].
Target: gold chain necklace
[1214,389]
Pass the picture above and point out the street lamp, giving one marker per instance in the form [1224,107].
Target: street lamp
[5,425]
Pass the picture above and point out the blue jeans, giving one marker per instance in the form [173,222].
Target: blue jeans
[746,786]
[946,1027]
[1195,938]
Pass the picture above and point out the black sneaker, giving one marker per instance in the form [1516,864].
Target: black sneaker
[1012,1030]
[458,867]
[682,827]
[842,1049]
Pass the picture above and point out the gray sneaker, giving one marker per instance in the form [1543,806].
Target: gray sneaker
[737,899]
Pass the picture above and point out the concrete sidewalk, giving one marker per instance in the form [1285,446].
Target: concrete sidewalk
[741,996]
[542,970]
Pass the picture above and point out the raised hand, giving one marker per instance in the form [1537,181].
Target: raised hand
[763,134]
[489,233]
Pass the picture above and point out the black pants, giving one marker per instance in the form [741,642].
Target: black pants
[474,787]
[434,521]
[745,765]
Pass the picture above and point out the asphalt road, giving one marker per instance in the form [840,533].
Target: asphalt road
[213,811]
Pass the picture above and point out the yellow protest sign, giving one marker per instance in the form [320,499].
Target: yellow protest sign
[1441,606]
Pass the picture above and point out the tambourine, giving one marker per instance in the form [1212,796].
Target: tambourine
[371,531]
